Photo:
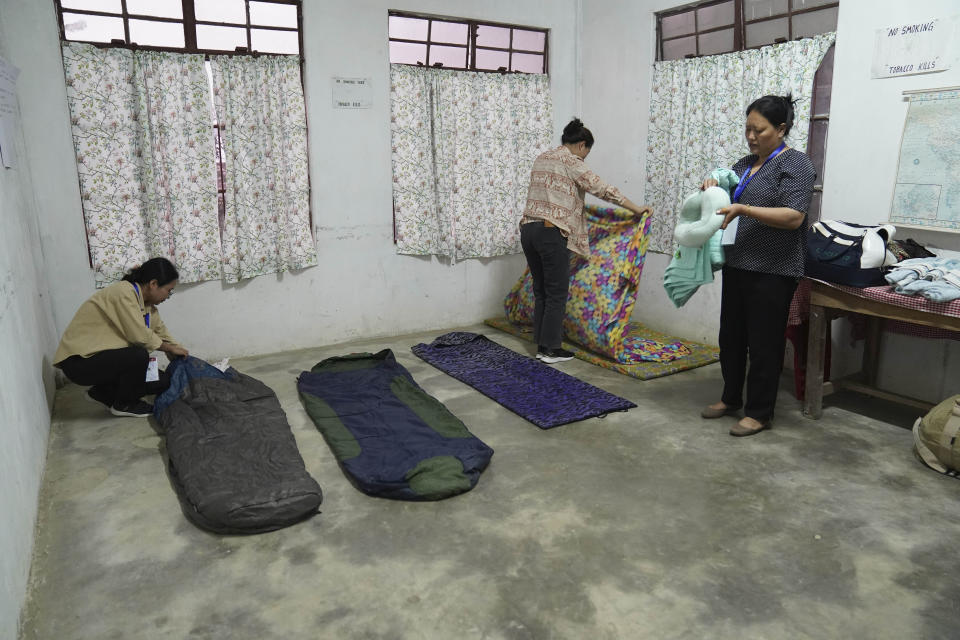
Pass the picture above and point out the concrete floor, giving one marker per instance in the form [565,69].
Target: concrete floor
[648,524]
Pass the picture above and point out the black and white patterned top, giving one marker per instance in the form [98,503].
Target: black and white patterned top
[784,181]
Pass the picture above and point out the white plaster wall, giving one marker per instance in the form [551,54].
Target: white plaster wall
[867,115]
[27,339]
[33,43]
[866,123]
[361,286]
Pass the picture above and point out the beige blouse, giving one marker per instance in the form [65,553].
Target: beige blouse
[558,182]
[113,318]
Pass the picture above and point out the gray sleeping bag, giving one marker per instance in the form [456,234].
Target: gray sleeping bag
[230,453]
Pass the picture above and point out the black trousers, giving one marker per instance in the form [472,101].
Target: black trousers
[549,262]
[753,320]
[117,374]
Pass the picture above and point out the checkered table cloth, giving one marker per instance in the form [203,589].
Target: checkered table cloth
[800,308]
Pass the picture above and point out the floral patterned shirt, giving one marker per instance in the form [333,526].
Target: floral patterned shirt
[558,182]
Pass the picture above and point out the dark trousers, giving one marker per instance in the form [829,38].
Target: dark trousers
[753,320]
[549,262]
[118,375]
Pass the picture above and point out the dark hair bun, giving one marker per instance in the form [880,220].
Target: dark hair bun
[573,127]
[575,132]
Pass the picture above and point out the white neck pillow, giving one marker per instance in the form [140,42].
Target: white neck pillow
[699,219]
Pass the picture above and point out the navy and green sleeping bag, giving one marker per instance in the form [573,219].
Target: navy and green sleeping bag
[391,438]
[230,453]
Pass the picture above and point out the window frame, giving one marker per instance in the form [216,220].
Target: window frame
[818,138]
[739,24]
[190,23]
[471,46]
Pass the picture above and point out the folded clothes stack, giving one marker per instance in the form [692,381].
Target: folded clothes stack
[936,279]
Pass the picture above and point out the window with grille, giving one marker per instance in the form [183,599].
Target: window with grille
[191,26]
[722,26]
[459,43]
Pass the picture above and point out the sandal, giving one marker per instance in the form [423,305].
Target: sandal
[739,430]
[710,412]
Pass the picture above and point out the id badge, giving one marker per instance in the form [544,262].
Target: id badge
[153,371]
[729,236]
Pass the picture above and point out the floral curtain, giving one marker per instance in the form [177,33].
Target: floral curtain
[697,117]
[418,228]
[463,145]
[259,104]
[145,158]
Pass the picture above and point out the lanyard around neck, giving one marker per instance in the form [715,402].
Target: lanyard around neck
[747,177]
[146,316]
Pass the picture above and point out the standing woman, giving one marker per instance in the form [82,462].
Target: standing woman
[764,264]
[108,342]
[553,224]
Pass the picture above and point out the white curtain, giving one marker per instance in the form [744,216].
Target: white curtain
[697,117]
[145,159]
[259,104]
[463,145]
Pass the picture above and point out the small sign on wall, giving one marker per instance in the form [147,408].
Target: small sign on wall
[913,47]
[352,93]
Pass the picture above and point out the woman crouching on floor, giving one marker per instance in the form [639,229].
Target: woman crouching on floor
[107,345]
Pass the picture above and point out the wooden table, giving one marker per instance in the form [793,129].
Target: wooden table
[826,302]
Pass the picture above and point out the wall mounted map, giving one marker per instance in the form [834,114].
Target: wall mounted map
[927,192]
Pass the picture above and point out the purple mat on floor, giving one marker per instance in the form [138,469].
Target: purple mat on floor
[535,391]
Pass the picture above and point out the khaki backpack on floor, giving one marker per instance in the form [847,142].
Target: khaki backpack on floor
[935,437]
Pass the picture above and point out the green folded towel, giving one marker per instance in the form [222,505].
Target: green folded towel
[726,179]
[698,234]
